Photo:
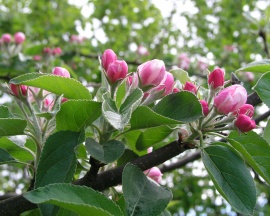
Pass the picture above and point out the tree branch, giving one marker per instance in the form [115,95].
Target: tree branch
[17,205]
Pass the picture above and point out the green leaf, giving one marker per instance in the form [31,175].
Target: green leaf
[231,177]
[69,87]
[79,199]
[266,133]
[151,136]
[58,161]
[5,157]
[263,88]
[76,114]
[120,94]
[256,66]
[12,126]
[131,139]
[182,106]
[143,196]
[16,151]
[126,157]
[180,75]
[107,152]
[4,112]
[255,150]
[143,117]
[119,119]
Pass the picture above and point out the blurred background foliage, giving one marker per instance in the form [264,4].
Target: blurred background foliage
[223,33]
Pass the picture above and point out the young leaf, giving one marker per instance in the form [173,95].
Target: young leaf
[255,150]
[107,152]
[231,177]
[4,112]
[5,157]
[143,117]
[151,136]
[58,161]
[120,93]
[256,66]
[143,196]
[76,114]
[266,133]
[263,88]
[16,151]
[80,199]
[12,126]
[120,118]
[182,106]
[180,75]
[69,87]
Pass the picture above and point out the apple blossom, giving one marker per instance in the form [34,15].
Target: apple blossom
[18,90]
[244,123]
[6,38]
[117,71]
[204,107]
[151,73]
[189,86]
[19,37]
[59,71]
[107,58]
[216,78]
[230,99]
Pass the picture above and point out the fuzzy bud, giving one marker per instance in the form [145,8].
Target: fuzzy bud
[216,78]
[107,58]
[189,86]
[117,71]
[244,123]
[205,107]
[19,37]
[6,38]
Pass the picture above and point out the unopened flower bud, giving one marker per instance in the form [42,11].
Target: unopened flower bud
[151,73]
[57,51]
[244,123]
[59,71]
[230,99]
[6,38]
[154,173]
[107,58]
[175,90]
[216,78]
[204,107]
[18,90]
[48,104]
[117,71]
[19,37]
[189,86]
[37,58]
[167,84]
[47,50]
[246,109]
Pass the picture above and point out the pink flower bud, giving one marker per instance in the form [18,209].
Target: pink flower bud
[167,84]
[151,73]
[48,104]
[37,58]
[184,61]
[57,51]
[19,37]
[230,99]
[47,50]
[249,76]
[216,78]
[202,65]
[154,173]
[64,100]
[117,71]
[246,109]
[175,90]
[6,38]
[142,51]
[244,123]
[18,90]
[107,58]
[204,107]
[133,81]
[189,86]
[59,71]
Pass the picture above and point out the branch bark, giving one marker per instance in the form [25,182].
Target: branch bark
[17,205]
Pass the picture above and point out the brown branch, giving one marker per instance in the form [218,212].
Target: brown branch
[17,205]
